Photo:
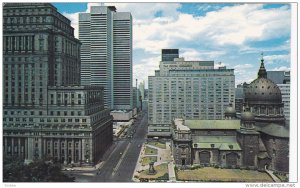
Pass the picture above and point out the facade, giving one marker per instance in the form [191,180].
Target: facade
[45,111]
[258,140]
[191,89]
[282,79]
[106,54]
[169,54]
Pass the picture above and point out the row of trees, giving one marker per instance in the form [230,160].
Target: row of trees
[41,170]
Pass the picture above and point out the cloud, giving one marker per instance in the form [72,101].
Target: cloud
[222,34]
[277,59]
[146,68]
[282,68]
[74,21]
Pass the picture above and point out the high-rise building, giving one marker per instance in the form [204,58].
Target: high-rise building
[169,54]
[282,80]
[191,89]
[46,113]
[106,55]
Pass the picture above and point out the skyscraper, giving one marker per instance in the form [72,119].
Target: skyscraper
[46,113]
[189,89]
[106,55]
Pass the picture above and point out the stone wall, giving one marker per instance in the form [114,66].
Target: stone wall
[278,150]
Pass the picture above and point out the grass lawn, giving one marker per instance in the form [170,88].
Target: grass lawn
[146,160]
[160,169]
[150,151]
[158,144]
[223,175]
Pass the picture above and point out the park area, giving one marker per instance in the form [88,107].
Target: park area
[161,173]
[147,160]
[210,174]
[150,151]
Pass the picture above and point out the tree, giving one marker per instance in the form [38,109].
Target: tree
[14,170]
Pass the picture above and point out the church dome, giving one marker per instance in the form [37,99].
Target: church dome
[262,89]
[230,111]
[247,116]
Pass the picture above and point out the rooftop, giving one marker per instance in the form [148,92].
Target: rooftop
[213,124]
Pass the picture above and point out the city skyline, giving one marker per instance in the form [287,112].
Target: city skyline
[193,56]
[204,32]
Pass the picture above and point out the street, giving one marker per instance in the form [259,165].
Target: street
[120,163]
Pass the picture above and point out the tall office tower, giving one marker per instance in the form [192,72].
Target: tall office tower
[282,80]
[169,54]
[106,55]
[189,89]
[46,112]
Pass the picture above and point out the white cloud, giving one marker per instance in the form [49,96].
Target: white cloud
[146,68]
[282,68]
[74,21]
[220,30]
[277,58]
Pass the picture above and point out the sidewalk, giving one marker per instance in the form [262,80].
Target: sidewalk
[275,178]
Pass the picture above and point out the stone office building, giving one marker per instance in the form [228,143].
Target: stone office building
[46,113]
[258,140]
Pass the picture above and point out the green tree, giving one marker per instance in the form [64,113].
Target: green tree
[14,170]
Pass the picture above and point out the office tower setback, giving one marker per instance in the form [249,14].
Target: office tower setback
[46,113]
[106,55]
[188,89]
[169,54]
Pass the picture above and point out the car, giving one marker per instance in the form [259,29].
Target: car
[139,145]
[121,153]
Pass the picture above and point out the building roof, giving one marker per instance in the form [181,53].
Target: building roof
[212,124]
[218,142]
[275,130]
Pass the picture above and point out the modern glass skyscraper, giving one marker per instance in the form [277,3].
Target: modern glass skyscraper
[106,54]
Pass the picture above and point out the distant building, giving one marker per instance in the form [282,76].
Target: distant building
[239,98]
[106,54]
[46,113]
[169,54]
[191,89]
[259,140]
[282,79]
[142,90]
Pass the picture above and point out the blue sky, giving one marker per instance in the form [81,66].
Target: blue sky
[233,34]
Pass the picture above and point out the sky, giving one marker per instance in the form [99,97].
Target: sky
[231,35]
